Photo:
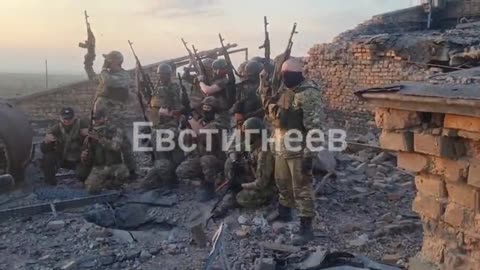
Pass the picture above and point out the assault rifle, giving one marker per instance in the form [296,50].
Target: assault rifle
[266,43]
[147,83]
[89,44]
[185,99]
[277,76]
[202,71]
[230,91]
[190,54]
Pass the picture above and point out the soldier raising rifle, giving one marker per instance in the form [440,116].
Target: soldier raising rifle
[113,92]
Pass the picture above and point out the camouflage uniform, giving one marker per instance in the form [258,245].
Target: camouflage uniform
[163,171]
[292,175]
[248,101]
[261,190]
[105,156]
[65,152]
[165,96]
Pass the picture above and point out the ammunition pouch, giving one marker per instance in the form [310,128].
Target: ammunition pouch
[291,119]
[116,93]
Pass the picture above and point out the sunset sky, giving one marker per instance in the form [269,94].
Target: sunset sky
[34,30]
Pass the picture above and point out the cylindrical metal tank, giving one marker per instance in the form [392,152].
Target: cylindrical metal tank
[16,137]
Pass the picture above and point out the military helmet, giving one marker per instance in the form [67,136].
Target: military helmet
[257,59]
[253,123]
[208,62]
[211,101]
[164,69]
[219,64]
[253,69]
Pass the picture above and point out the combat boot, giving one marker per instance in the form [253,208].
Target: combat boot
[305,234]
[281,214]
[207,193]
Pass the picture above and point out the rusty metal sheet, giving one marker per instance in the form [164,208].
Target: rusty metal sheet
[17,135]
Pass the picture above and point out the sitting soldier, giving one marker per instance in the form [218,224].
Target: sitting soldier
[103,153]
[62,147]
[249,172]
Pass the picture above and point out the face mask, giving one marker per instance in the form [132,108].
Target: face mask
[292,79]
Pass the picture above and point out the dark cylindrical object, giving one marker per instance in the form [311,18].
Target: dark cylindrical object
[16,136]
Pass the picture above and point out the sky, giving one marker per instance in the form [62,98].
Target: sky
[34,30]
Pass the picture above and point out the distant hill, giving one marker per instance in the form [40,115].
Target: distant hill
[18,84]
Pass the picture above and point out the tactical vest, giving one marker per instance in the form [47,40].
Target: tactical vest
[115,93]
[165,96]
[288,118]
[221,95]
[103,156]
[71,142]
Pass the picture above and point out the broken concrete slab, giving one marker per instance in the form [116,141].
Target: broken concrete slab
[265,264]
[279,247]
[122,236]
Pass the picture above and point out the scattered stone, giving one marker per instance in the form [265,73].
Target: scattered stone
[145,256]
[265,264]
[279,247]
[361,241]
[279,227]
[360,189]
[122,236]
[198,235]
[391,258]
[242,220]
[324,162]
[360,169]
[130,216]
[314,260]
[349,227]
[100,215]
[388,217]
[56,225]
[371,170]
[107,260]
[242,233]
[380,157]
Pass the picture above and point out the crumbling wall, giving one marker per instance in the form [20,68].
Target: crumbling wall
[344,67]
[443,152]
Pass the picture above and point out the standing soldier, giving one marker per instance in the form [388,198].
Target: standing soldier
[298,107]
[218,88]
[62,146]
[248,102]
[112,95]
[166,95]
[196,95]
[104,154]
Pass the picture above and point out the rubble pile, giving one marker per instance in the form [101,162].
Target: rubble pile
[364,210]
[442,150]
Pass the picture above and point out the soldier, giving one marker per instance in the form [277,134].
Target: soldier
[196,95]
[297,107]
[250,172]
[206,162]
[163,172]
[248,103]
[113,94]
[166,94]
[104,154]
[220,88]
[62,146]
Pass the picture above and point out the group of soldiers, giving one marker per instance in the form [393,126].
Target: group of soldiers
[101,152]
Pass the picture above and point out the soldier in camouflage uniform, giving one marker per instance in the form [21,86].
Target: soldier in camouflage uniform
[62,146]
[163,172]
[166,95]
[251,181]
[104,154]
[298,106]
[196,95]
[204,163]
[248,103]
[113,94]
[221,88]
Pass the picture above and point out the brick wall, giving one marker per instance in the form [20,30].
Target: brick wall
[444,155]
[344,67]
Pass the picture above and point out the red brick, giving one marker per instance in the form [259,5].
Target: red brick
[468,123]
[463,195]
[474,173]
[459,216]
[397,141]
[452,170]
[430,185]
[433,249]
[428,206]
[391,119]
[438,146]
[412,161]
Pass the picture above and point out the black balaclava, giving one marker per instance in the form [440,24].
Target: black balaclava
[292,79]
[208,115]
